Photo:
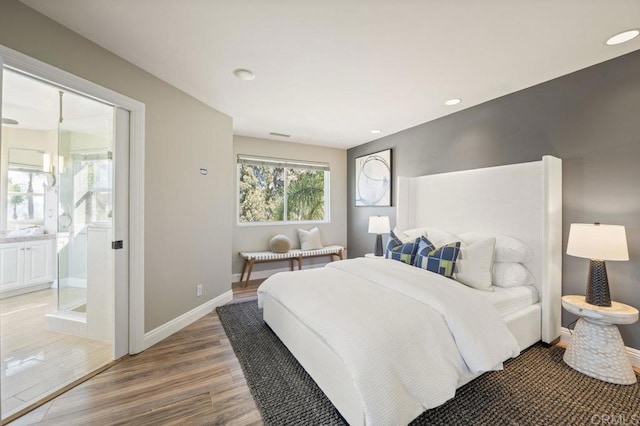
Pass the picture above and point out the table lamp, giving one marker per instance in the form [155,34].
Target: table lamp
[379,225]
[598,243]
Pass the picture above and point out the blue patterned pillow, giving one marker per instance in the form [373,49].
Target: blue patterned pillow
[441,261]
[424,248]
[393,242]
[405,253]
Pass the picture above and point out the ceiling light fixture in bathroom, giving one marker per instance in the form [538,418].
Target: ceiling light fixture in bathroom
[451,102]
[280,135]
[9,121]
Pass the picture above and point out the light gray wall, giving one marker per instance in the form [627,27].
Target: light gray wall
[187,215]
[256,237]
[590,119]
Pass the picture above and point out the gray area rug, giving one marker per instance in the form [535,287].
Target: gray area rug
[536,388]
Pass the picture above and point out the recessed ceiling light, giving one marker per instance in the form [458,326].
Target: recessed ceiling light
[454,101]
[280,135]
[9,121]
[243,74]
[623,37]
[376,131]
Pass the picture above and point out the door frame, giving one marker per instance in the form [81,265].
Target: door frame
[43,71]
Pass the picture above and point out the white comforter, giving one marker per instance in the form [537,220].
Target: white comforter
[407,336]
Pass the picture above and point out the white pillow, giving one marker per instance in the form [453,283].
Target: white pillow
[507,249]
[439,237]
[408,236]
[473,267]
[310,240]
[511,275]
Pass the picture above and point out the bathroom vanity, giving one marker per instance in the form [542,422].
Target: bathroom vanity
[26,264]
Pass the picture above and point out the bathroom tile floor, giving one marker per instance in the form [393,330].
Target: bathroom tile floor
[36,362]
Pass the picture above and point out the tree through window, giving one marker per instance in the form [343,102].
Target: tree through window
[25,203]
[272,190]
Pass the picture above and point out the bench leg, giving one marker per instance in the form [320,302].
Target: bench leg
[299,263]
[251,262]
[244,267]
[340,254]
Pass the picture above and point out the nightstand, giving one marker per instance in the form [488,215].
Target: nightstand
[374,255]
[596,347]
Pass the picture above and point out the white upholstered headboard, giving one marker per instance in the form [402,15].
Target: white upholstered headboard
[523,201]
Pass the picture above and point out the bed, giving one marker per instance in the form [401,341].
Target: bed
[472,200]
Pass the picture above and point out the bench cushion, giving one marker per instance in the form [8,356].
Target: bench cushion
[291,254]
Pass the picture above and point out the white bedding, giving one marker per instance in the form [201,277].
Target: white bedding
[511,299]
[407,336]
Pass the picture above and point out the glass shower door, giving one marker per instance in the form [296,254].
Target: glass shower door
[85,185]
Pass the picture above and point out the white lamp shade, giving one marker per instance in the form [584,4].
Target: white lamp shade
[598,242]
[379,225]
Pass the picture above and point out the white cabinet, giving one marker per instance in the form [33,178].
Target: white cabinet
[38,262]
[25,264]
[11,265]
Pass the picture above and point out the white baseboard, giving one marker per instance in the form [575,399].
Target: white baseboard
[167,329]
[258,275]
[634,354]
[22,290]
[72,282]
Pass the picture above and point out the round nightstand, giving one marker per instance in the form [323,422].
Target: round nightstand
[374,255]
[596,348]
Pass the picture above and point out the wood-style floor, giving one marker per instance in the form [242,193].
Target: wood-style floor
[191,378]
[36,361]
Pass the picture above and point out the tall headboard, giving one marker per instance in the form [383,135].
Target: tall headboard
[523,201]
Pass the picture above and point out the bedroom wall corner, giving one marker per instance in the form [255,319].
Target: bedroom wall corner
[587,118]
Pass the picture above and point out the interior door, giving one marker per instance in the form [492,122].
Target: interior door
[121,232]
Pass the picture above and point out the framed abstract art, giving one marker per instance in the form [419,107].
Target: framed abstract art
[373,179]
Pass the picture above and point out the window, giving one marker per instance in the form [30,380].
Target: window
[276,191]
[92,188]
[25,198]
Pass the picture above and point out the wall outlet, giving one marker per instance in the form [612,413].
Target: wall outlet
[199,290]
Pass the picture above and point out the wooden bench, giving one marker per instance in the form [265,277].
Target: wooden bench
[251,258]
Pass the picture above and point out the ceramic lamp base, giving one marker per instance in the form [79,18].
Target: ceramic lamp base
[378,250]
[598,284]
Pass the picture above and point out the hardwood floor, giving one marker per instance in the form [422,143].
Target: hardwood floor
[36,361]
[192,377]
[242,292]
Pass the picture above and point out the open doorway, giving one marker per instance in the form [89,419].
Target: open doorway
[57,268]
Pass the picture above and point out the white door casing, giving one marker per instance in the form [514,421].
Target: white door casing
[130,298]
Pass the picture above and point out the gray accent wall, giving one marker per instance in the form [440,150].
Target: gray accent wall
[590,119]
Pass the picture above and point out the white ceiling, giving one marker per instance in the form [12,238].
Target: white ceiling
[327,72]
[35,105]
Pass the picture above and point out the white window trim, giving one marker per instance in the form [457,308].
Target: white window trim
[294,165]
